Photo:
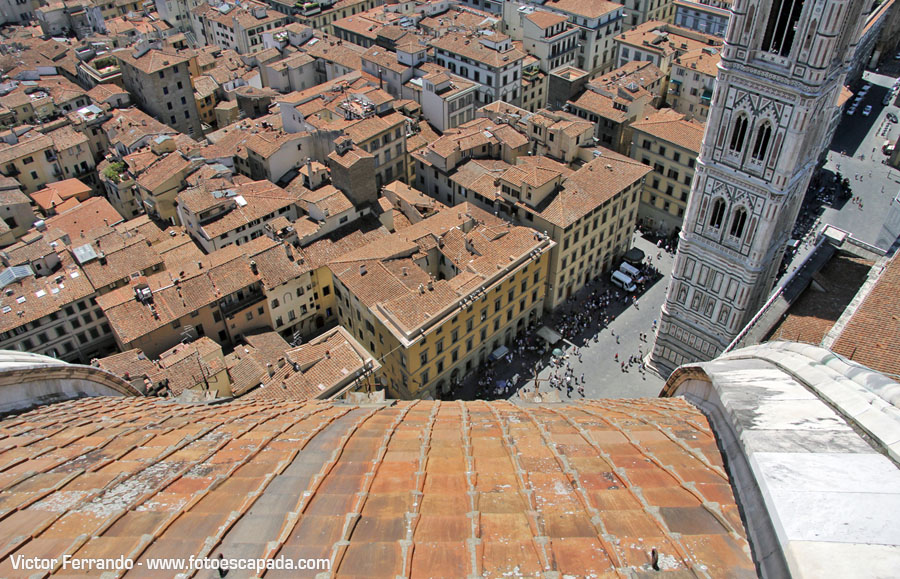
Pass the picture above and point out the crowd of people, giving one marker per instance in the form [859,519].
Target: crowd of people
[580,322]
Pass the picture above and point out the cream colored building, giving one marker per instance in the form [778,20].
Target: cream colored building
[670,145]
[436,299]
[32,161]
[590,213]
[481,138]
[237,26]
[596,22]
[691,82]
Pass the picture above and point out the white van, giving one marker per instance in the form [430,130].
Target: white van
[623,281]
[631,271]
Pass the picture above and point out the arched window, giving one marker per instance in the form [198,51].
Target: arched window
[717,214]
[738,134]
[738,222]
[781,26]
[763,136]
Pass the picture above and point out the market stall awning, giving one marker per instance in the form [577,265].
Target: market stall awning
[549,335]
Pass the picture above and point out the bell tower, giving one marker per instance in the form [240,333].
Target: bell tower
[783,65]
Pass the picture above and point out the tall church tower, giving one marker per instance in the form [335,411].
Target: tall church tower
[782,67]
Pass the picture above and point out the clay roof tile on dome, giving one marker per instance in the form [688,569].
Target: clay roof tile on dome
[433,488]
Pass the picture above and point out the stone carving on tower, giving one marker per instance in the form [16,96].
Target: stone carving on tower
[783,65]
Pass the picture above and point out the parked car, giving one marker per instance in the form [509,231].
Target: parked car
[868,110]
[623,281]
[892,117]
[851,110]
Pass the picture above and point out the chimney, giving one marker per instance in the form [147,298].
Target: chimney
[362,269]
[289,251]
[328,354]
[430,285]
[270,369]
[421,289]
[253,267]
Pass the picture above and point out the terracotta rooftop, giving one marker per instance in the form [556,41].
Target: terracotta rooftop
[318,369]
[872,334]
[31,298]
[57,192]
[328,198]
[641,72]
[601,105]
[129,126]
[185,366]
[543,19]
[79,221]
[666,39]
[702,60]
[418,489]
[584,8]
[345,54]
[817,309]
[460,17]
[670,125]
[474,49]
[248,202]
[384,277]
[26,146]
[154,60]
[225,272]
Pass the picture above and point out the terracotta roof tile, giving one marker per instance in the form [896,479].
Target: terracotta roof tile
[181,505]
[872,335]
[671,126]
[813,315]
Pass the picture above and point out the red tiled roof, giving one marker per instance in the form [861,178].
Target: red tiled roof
[414,488]
[94,213]
[817,309]
[872,336]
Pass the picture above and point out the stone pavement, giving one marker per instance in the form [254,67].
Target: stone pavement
[604,375]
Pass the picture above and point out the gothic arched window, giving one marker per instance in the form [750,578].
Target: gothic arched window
[782,26]
[738,133]
[763,136]
[738,221]
[717,214]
